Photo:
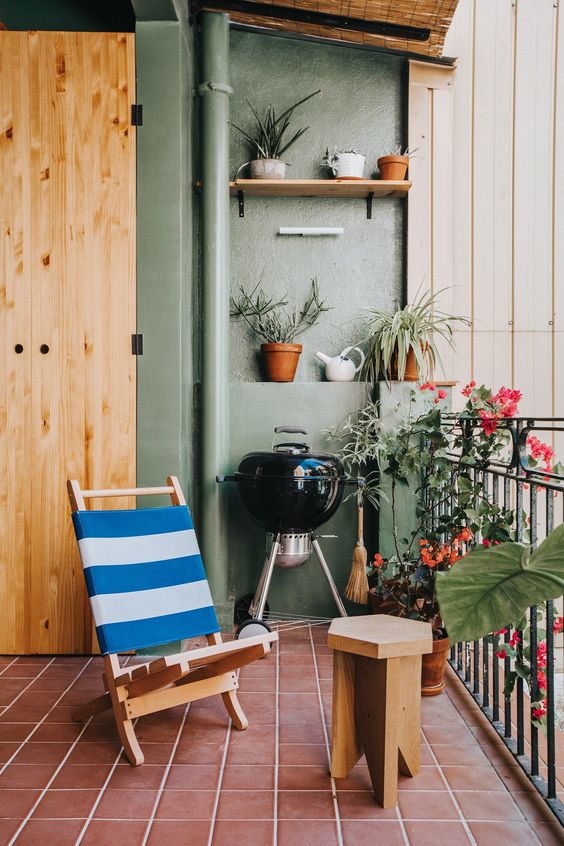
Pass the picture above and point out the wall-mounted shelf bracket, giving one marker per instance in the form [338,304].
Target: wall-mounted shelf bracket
[369,198]
[241,201]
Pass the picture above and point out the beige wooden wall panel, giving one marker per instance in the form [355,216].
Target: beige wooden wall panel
[79,233]
[508,182]
[15,328]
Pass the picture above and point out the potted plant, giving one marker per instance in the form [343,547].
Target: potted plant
[402,345]
[269,141]
[437,457]
[393,163]
[345,164]
[278,326]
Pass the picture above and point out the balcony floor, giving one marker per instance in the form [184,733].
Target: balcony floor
[205,785]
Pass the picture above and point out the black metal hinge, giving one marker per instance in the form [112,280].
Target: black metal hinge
[137,344]
[136,114]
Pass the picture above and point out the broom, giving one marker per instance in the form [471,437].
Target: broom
[357,585]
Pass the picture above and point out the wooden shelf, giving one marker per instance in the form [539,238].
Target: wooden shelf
[356,188]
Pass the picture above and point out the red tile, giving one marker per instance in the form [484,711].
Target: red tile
[300,716]
[147,777]
[66,804]
[513,778]
[361,805]
[17,802]
[229,832]
[24,713]
[428,778]
[502,834]
[199,753]
[303,682]
[467,756]
[305,805]
[312,754]
[28,671]
[549,834]
[293,832]
[432,833]
[472,778]
[82,776]
[532,806]
[192,777]
[27,775]
[186,805]
[246,805]
[483,805]
[59,832]
[112,832]
[7,829]
[179,833]
[42,753]
[7,750]
[126,804]
[458,735]
[421,806]
[304,778]
[302,733]
[14,732]
[372,832]
[155,753]
[357,779]
[244,777]
[57,732]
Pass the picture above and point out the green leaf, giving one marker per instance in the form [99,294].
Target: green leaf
[493,587]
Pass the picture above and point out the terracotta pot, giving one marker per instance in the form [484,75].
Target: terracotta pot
[393,167]
[411,371]
[280,361]
[433,668]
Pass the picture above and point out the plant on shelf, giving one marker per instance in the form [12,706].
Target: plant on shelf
[402,344]
[393,163]
[345,164]
[270,141]
[437,459]
[277,325]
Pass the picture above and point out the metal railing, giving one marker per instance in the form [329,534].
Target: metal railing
[536,497]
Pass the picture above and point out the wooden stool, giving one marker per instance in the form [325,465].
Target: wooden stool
[377,698]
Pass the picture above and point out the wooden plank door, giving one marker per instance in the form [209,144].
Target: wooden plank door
[79,236]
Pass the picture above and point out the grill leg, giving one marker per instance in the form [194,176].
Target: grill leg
[328,576]
[257,607]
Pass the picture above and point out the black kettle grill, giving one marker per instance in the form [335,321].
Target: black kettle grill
[289,492]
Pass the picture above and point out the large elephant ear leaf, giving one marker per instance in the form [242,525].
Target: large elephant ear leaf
[491,588]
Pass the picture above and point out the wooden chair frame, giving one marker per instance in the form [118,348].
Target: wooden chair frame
[175,679]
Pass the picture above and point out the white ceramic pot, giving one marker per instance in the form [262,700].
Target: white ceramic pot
[267,169]
[349,166]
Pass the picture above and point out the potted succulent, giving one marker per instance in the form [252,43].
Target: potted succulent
[269,142]
[345,164]
[278,326]
[402,345]
[393,163]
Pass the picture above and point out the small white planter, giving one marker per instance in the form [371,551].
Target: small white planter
[267,169]
[349,166]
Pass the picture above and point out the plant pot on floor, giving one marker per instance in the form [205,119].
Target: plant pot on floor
[280,361]
[433,668]
[267,169]
[393,167]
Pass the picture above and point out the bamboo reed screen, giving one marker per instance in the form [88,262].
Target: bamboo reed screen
[435,15]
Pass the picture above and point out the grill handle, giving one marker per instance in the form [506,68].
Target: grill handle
[290,430]
[220,479]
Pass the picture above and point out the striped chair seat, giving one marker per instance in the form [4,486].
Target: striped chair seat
[145,577]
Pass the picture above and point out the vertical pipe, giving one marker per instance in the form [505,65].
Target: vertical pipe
[214,91]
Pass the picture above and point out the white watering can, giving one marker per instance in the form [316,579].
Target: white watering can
[341,368]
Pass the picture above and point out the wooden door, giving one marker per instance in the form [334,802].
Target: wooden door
[67,97]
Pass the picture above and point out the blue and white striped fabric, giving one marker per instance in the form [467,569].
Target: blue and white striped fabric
[144,576]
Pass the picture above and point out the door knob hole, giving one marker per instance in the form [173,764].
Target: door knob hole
[18,348]
[44,349]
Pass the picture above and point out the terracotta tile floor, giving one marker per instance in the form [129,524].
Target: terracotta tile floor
[206,785]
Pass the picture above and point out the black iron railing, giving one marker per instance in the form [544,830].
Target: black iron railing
[529,716]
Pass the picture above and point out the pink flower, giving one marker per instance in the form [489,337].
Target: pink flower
[466,391]
[427,386]
[441,394]
[489,421]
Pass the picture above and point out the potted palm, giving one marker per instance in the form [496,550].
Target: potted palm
[278,326]
[269,141]
[402,345]
[393,163]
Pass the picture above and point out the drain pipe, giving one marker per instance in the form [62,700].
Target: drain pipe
[215,91]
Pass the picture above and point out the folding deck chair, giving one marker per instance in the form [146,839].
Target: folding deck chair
[147,586]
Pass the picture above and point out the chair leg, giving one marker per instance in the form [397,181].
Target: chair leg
[233,708]
[124,726]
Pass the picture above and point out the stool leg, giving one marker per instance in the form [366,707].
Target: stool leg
[345,747]
[377,714]
[410,715]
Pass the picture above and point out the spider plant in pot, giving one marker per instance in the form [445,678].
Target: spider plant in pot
[393,163]
[402,345]
[278,323]
[270,141]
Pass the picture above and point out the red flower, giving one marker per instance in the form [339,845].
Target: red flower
[468,389]
[378,560]
[486,543]
[441,394]
[558,625]
[489,421]
[500,632]
[539,712]
[541,680]
[427,386]
[514,640]
[501,654]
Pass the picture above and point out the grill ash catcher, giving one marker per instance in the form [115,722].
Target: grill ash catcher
[289,492]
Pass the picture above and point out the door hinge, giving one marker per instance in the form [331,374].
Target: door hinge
[137,114]
[137,344]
